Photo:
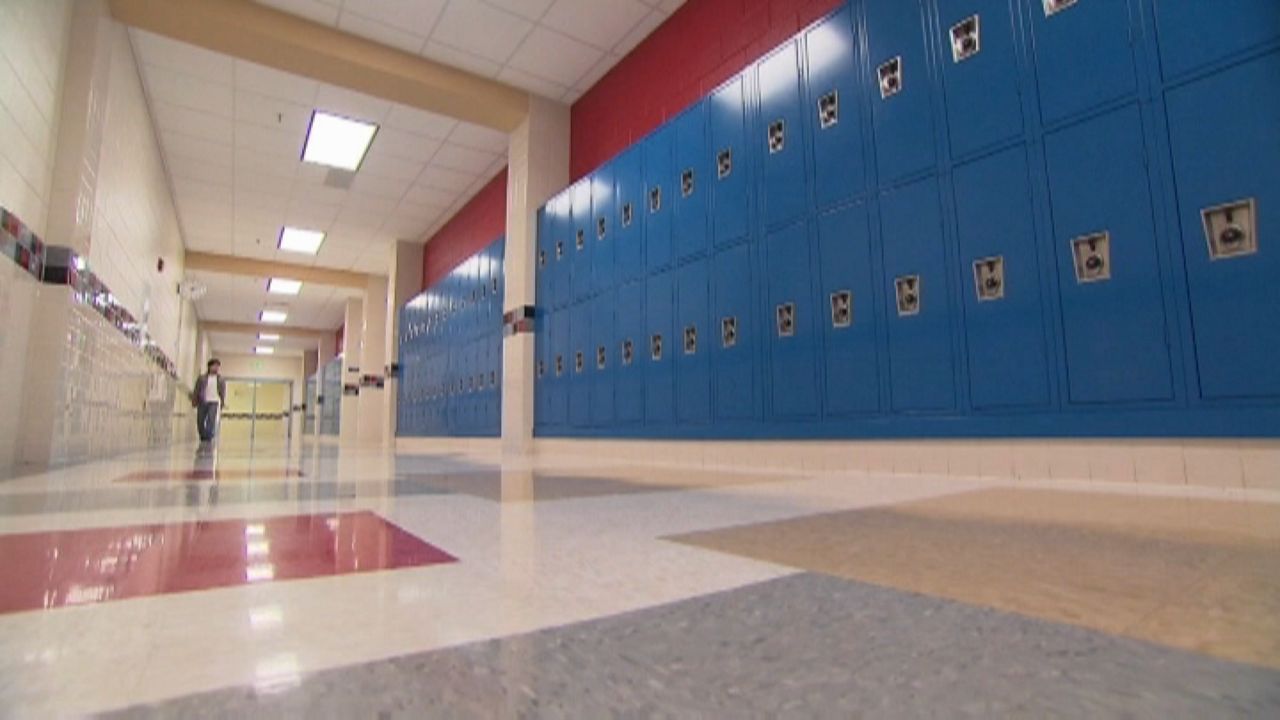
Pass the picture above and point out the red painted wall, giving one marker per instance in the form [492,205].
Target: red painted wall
[478,223]
[700,46]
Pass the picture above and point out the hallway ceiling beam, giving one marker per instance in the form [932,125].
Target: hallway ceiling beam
[284,331]
[251,267]
[264,35]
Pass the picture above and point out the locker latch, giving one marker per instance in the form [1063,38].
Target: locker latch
[966,39]
[559,365]
[578,363]
[728,332]
[627,212]
[786,319]
[686,183]
[988,278]
[1092,257]
[493,378]
[777,136]
[601,227]
[600,357]
[655,347]
[628,352]
[828,110]
[841,309]
[494,283]
[691,339]
[724,163]
[1231,229]
[559,249]
[1054,6]
[542,258]
[908,290]
[581,240]
[542,368]
[655,199]
[890,73]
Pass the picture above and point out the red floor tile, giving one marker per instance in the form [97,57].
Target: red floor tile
[75,567]
[245,474]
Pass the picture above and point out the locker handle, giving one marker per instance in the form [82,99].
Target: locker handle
[828,110]
[655,199]
[627,213]
[776,138]
[686,182]
[724,163]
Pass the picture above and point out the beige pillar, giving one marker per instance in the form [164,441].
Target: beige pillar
[538,166]
[405,278]
[373,355]
[349,418]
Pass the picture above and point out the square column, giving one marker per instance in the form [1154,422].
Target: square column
[372,405]
[352,334]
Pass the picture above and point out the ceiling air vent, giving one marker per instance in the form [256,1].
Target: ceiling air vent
[339,179]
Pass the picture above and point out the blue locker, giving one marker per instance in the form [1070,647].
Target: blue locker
[1231,160]
[659,349]
[1083,54]
[629,347]
[979,60]
[901,95]
[779,137]
[692,357]
[560,249]
[729,177]
[558,370]
[793,359]
[580,245]
[603,360]
[921,368]
[835,120]
[628,216]
[603,230]
[848,312]
[733,335]
[1000,277]
[541,365]
[694,170]
[495,383]
[577,372]
[1112,304]
[1193,34]
[659,187]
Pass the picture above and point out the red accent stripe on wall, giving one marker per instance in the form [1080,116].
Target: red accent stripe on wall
[481,221]
[700,46]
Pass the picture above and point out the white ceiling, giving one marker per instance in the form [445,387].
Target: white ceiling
[554,48]
[238,299]
[243,344]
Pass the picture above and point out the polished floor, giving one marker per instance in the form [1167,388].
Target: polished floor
[318,581]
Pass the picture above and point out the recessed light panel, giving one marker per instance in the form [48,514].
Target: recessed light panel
[337,141]
[268,337]
[300,241]
[275,317]
[263,350]
[281,286]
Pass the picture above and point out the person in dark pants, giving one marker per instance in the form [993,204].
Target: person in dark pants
[210,394]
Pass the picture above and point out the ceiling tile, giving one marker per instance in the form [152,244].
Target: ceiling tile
[351,104]
[554,56]
[531,9]
[184,58]
[419,122]
[593,76]
[428,196]
[441,178]
[479,137]
[639,32]
[178,144]
[271,112]
[188,90]
[388,166]
[413,16]
[481,29]
[314,10]
[195,123]
[274,83]
[602,23]
[537,85]
[269,140]
[461,59]
[381,33]
[462,159]
[390,142]
[380,187]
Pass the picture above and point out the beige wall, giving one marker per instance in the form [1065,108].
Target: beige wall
[33,39]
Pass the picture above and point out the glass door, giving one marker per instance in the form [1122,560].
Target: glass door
[257,411]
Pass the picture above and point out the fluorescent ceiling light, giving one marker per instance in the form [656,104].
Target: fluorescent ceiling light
[337,141]
[300,241]
[274,317]
[268,337]
[264,350]
[281,286]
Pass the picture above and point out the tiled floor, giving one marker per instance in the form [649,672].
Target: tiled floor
[466,585]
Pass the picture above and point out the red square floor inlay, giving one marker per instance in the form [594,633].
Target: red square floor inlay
[74,567]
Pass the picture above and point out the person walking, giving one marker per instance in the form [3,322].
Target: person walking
[209,395]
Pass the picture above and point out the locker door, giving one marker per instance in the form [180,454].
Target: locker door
[779,138]
[1082,53]
[833,112]
[1000,277]
[603,360]
[495,383]
[732,334]
[629,347]
[980,74]
[560,249]
[692,182]
[729,177]
[848,315]
[658,350]
[544,259]
[1112,309]
[542,354]
[628,216]
[558,370]
[793,361]
[1193,34]
[658,197]
[693,359]
[580,245]
[919,313]
[603,237]
[901,112]
[1231,160]
[579,379]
